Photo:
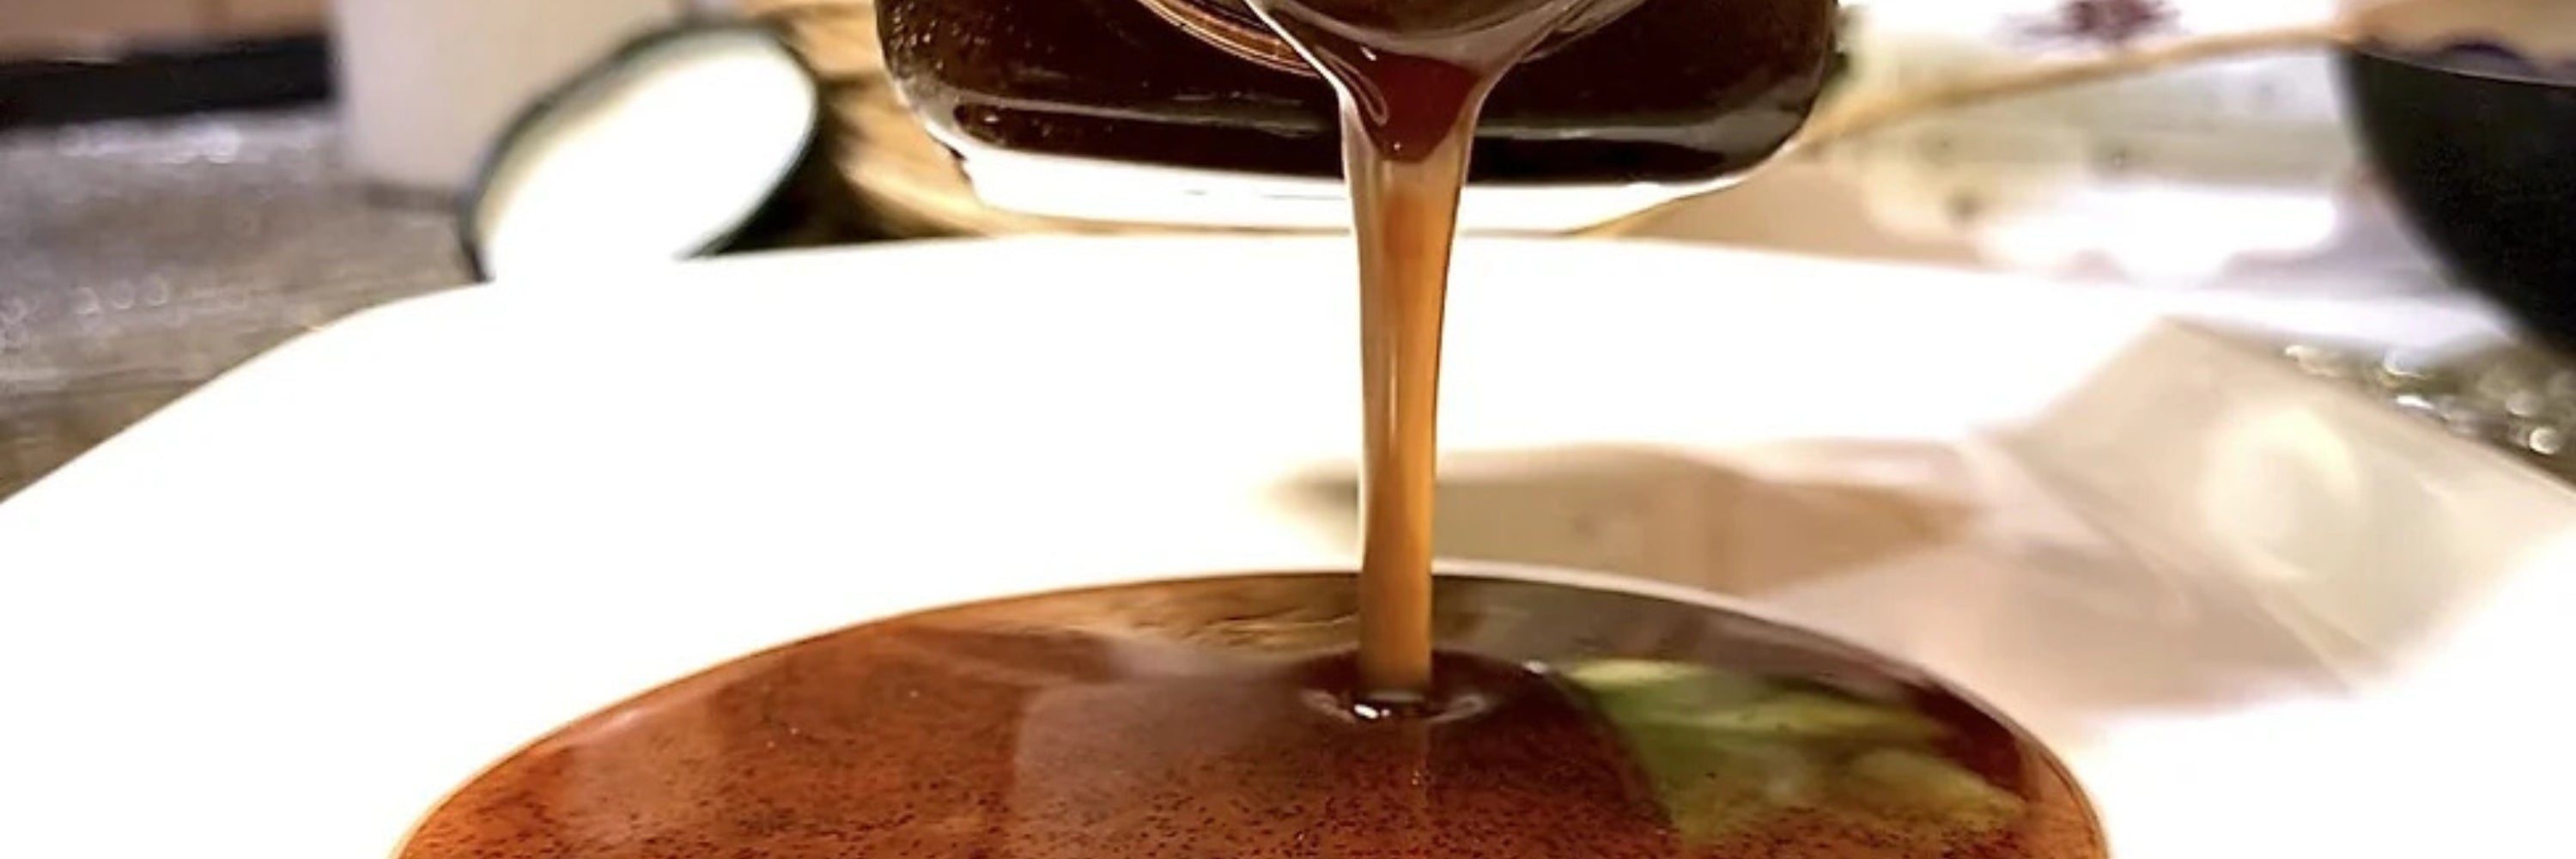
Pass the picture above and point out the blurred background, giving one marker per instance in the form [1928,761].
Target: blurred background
[184,183]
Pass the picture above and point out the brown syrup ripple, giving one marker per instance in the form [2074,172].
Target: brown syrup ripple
[1068,726]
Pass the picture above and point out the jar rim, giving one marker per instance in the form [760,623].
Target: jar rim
[1231,26]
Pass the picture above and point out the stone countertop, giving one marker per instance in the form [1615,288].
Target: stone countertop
[139,259]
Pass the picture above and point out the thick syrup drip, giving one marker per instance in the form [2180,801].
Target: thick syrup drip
[1412,77]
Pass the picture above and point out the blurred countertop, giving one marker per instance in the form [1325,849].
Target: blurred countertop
[140,258]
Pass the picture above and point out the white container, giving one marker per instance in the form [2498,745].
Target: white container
[426,85]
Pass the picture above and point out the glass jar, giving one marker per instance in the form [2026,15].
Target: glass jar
[1192,112]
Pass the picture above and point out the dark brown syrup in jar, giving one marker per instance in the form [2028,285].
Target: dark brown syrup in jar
[1679,91]
[1216,718]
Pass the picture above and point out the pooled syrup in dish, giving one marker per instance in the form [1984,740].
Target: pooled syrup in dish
[1218,718]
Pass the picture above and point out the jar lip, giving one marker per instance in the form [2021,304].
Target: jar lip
[1231,26]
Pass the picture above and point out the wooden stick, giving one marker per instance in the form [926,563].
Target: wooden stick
[1866,113]
[1862,114]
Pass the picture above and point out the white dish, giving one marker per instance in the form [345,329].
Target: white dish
[285,615]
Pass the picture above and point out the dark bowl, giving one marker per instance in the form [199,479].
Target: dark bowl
[2477,145]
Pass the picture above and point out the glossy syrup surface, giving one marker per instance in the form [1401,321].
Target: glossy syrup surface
[1215,718]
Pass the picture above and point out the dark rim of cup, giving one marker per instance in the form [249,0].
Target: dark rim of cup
[2481,57]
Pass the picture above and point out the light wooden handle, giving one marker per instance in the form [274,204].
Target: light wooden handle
[1845,117]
